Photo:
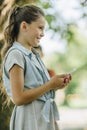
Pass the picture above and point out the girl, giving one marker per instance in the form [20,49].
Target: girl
[25,77]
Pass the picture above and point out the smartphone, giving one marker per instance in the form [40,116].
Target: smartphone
[72,71]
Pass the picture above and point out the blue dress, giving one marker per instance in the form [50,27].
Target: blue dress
[41,113]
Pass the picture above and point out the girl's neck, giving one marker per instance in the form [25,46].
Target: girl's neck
[26,45]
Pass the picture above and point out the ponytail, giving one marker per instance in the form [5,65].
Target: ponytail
[11,31]
[3,94]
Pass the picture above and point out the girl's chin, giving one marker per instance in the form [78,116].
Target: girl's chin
[36,45]
[37,41]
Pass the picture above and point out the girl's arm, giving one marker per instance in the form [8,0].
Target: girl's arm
[21,96]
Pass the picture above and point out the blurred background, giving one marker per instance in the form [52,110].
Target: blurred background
[65,48]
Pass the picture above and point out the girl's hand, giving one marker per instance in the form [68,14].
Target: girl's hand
[60,81]
[67,78]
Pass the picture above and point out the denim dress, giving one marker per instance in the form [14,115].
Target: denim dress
[41,113]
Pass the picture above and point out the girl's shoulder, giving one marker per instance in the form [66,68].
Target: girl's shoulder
[13,51]
[14,56]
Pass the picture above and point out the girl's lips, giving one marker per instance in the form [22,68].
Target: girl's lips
[38,39]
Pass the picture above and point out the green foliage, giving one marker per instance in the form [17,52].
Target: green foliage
[49,18]
[46,5]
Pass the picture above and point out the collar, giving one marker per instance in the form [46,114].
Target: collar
[25,50]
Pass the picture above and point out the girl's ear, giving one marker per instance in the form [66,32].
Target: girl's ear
[23,26]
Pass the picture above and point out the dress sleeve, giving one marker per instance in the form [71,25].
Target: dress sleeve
[14,57]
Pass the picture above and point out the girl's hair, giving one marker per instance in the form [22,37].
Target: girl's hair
[27,13]
[4,98]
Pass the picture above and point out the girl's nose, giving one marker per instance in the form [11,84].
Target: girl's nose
[42,34]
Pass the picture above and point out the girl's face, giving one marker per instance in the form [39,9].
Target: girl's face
[35,31]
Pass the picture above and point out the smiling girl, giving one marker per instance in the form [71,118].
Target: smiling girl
[25,76]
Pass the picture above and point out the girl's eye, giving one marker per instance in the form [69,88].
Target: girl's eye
[41,28]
